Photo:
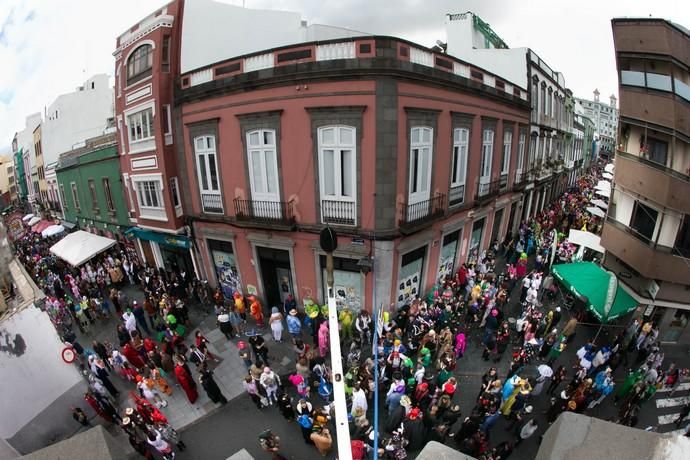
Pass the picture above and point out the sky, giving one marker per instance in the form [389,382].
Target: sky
[50,47]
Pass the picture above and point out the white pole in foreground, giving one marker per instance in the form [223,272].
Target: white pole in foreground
[341,420]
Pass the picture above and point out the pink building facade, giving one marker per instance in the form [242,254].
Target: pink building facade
[410,155]
[146,63]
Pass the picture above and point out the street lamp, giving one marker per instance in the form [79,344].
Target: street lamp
[329,242]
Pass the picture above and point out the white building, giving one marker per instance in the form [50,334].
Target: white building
[72,118]
[605,118]
[25,143]
[208,23]
[472,40]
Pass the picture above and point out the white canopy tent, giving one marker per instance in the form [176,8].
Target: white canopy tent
[604,193]
[593,210]
[603,183]
[585,240]
[601,203]
[52,230]
[33,221]
[607,176]
[27,217]
[609,168]
[80,246]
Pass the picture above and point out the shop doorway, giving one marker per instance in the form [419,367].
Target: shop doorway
[276,275]
[176,260]
[475,240]
[496,228]
[511,221]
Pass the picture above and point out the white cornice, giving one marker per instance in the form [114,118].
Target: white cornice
[126,39]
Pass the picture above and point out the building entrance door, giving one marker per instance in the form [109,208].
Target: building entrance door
[276,275]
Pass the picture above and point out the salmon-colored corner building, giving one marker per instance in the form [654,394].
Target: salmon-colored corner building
[408,153]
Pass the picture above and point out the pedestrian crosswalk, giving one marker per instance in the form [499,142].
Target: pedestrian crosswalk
[669,403]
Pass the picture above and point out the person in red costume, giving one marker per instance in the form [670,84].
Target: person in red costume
[133,356]
[186,381]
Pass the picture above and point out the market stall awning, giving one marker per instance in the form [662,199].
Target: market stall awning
[593,210]
[588,280]
[42,225]
[68,225]
[80,246]
[609,168]
[601,203]
[33,221]
[168,239]
[604,193]
[52,231]
[586,239]
[27,217]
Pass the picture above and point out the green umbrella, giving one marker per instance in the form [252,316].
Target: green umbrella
[600,287]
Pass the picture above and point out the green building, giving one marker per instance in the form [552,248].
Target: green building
[22,189]
[588,150]
[90,188]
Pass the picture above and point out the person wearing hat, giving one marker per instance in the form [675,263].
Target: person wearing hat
[345,319]
[224,325]
[270,381]
[359,399]
[275,321]
[414,429]
[394,395]
[244,354]
[256,311]
[363,326]
[322,440]
[294,325]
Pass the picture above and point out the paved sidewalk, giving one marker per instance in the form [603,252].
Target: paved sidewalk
[228,373]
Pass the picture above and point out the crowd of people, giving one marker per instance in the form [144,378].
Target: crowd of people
[152,337]
[505,302]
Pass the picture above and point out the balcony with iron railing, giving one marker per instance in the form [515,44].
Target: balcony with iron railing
[338,212]
[212,203]
[487,191]
[457,195]
[414,216]
[264,212]
[522,178]
[503,181]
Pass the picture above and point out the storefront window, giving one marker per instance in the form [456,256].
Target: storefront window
[410,276]
[227,275]
[448,253]
[348,283]
[475,240]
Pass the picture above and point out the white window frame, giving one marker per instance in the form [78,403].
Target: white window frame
[168,115]
[144,144]
[487,155]
[507,146]
[175,195]
[416,191]
[521,152]
[147,211]
[108,194]
[338,146]
[458,171]
[205,178]
[75,195]
[268,158]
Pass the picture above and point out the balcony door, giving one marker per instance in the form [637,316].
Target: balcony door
[485,166]
[263,173]
[420,173]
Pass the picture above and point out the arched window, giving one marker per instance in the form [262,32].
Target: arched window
[139,64]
